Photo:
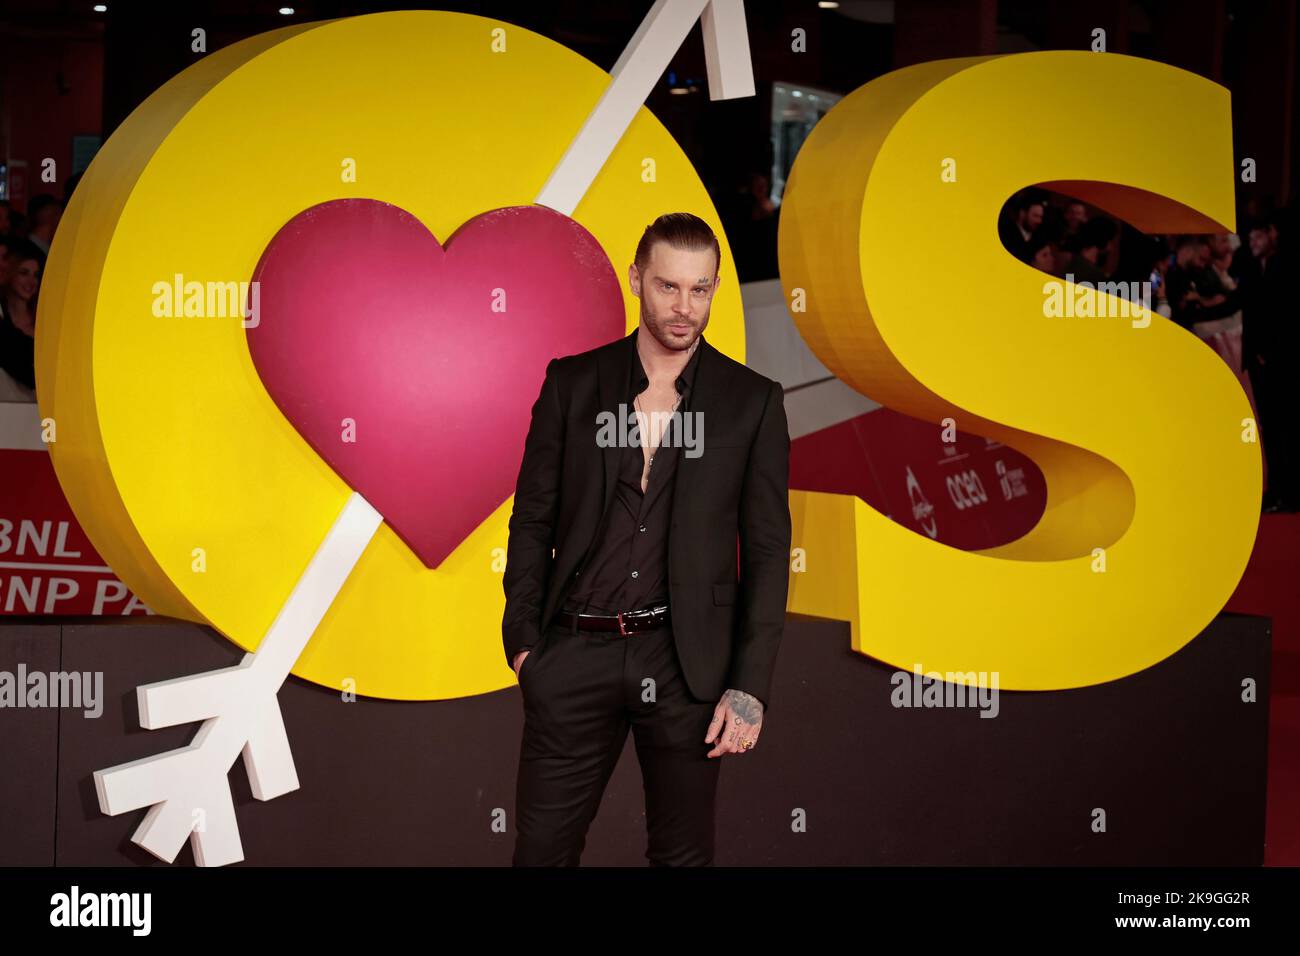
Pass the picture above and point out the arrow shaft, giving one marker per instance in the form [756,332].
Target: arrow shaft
[633,77]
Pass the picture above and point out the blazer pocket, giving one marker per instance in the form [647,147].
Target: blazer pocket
[724,593]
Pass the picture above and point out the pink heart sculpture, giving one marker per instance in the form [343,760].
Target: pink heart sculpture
[436,354]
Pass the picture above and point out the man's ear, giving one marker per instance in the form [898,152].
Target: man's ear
[634,280]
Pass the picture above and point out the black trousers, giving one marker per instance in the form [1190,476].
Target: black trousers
[582,690]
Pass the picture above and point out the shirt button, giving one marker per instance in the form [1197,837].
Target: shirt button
[642,528]
[634,574]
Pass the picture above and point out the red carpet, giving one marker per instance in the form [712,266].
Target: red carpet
[1269,588]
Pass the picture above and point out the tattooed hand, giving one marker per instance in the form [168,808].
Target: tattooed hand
[737,718]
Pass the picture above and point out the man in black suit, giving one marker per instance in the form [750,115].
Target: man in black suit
[648,565]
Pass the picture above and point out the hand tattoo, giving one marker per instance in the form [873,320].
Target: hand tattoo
[737,721]
[747,708]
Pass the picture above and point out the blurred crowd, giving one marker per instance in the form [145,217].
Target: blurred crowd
[24,243]
[1229,289]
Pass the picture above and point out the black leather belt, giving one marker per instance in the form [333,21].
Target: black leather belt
[625,622]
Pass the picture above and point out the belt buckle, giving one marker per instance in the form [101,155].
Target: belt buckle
[622,628]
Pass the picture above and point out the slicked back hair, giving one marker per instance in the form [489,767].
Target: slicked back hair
[681,230]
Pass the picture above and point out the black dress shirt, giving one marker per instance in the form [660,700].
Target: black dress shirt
[627,567]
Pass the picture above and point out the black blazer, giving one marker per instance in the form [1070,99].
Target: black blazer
[729,529]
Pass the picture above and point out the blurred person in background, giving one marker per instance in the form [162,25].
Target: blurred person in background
[6,242]
[1040,253]
[1196,291]
[1076,214]
[18,295]
[1018,224]
[43,213]
[751,220]
[1269,350]
[1142,269]
[1088,261]
[1218,324]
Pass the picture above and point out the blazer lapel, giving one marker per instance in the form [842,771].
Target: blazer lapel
[613,372]
[702,399]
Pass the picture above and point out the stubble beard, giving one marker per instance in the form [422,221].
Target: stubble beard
[667,339]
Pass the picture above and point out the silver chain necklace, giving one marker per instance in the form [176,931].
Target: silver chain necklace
[636,401]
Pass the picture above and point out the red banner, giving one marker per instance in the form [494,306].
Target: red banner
[970,493]
[47,566]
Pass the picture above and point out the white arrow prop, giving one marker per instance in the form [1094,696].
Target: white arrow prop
[187,790]
[661,34]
